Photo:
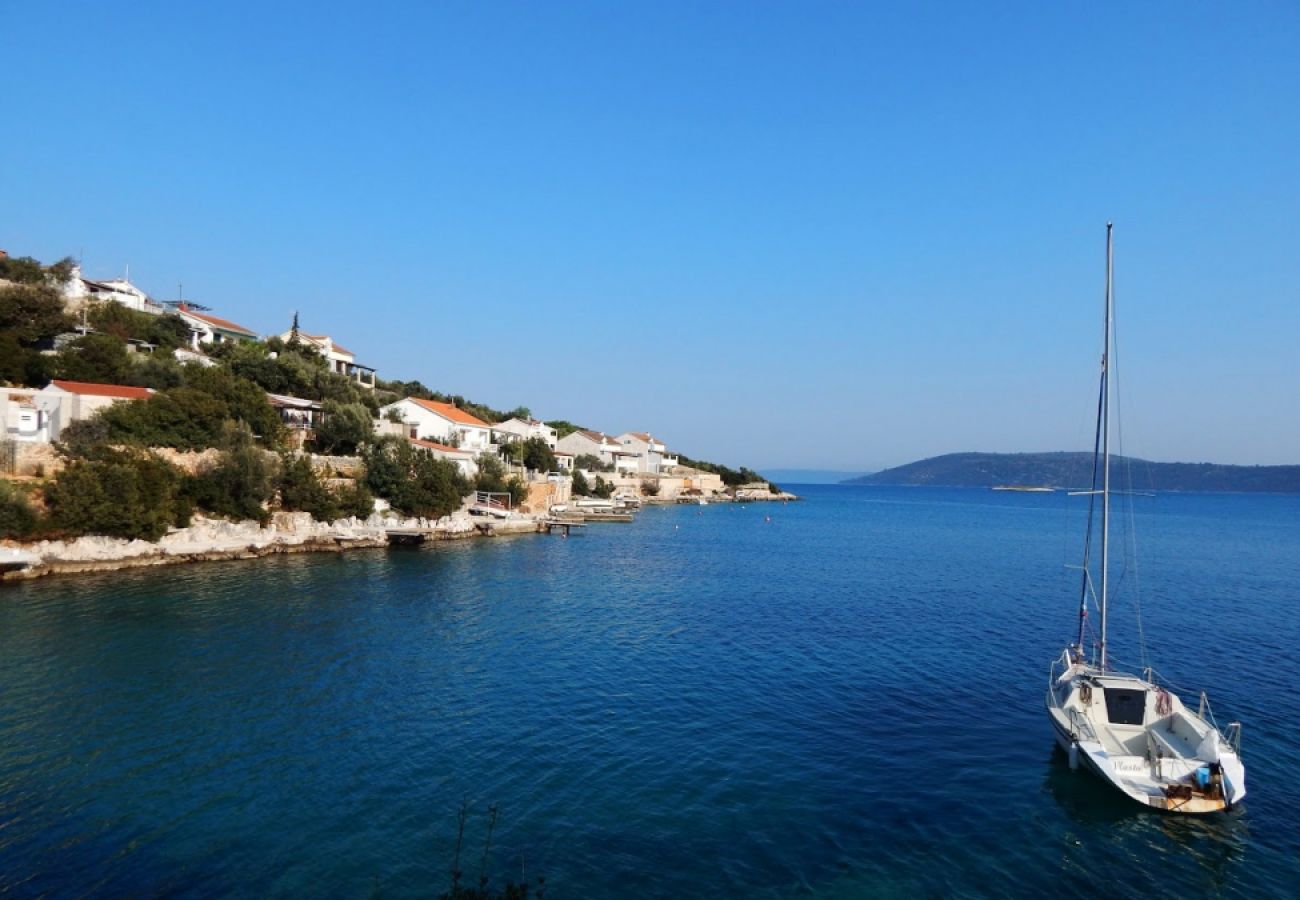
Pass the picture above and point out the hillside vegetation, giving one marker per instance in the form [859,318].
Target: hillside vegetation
[1074,470]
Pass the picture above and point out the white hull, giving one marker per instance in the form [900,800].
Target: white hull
[1140,739]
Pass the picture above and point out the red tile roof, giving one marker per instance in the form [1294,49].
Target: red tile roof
[87,388]
[430,445]
[224,324]
[447,411]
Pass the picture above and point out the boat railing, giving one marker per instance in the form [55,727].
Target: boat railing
[1081,728]
[1232,737]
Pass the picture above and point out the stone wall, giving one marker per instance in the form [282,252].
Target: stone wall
[37,459]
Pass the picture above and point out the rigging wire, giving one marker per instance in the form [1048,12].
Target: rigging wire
[1130,542]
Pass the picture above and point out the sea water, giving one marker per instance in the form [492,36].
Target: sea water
[841,697]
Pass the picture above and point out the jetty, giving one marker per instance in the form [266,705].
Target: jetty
[561,525]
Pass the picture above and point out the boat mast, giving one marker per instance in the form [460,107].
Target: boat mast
[1105,444]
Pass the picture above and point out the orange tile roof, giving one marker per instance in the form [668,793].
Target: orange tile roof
[447,411]
[224,324]
[431,445]
[87,388]
[643,436]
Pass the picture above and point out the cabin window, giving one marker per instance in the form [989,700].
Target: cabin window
[1125,706]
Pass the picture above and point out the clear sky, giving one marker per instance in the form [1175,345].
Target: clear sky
[775,234]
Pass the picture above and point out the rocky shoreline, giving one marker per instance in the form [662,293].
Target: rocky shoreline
[213,540]
[207,540]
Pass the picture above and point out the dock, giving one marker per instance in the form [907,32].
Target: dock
[563,524]
[407,536]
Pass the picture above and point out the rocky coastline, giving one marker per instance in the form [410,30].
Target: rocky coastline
[207,540]
[213,540]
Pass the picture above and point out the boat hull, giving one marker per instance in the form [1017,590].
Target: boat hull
[1162,777]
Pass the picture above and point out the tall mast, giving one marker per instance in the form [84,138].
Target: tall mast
[1105,443]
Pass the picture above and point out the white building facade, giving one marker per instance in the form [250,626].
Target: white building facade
[523,429]
[441,423]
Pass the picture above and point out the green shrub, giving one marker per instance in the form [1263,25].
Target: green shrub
[301,489]
[414,483]
[591,463]
[344,428]
[117,493]
[240,485]
[17,518]
[184,418]
[603,489]
[581,486]
[539,456]
[355,500]
[193,417]
[95,357]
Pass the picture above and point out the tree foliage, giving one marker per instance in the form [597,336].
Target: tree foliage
[591,463]
[26,270]
[581,486]
[414,483]
[493,478]
[344,428]
[242,482]
[128,494]
[167,332]
[98,358]
[602,488]
[730,477]
[564,428]
[302,490]
[539,456]
[17,518]
[193,417]
[30,313]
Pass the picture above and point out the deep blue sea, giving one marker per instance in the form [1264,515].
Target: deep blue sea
[836,698]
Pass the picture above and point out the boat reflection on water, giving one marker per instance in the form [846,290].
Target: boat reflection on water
[1106,822]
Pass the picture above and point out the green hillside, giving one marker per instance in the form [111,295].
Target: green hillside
[1074,470]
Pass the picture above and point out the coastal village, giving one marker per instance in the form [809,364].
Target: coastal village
[145,432]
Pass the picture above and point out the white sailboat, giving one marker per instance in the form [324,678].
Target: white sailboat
[1128,729]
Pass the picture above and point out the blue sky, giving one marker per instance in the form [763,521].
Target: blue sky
[776,234]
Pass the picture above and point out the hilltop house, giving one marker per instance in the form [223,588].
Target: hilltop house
[522,429]
[464,459]
[40,416]
[341,360]
[206,329]
[434,421]
[78,291]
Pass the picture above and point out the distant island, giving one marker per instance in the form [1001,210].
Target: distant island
[1067,470]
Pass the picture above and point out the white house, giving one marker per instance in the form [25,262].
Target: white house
[589,443]
[431,420]
[341,360]
[40,416]
[649,450]
[78,290]
[464,459]
[207,329]
[522,429]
